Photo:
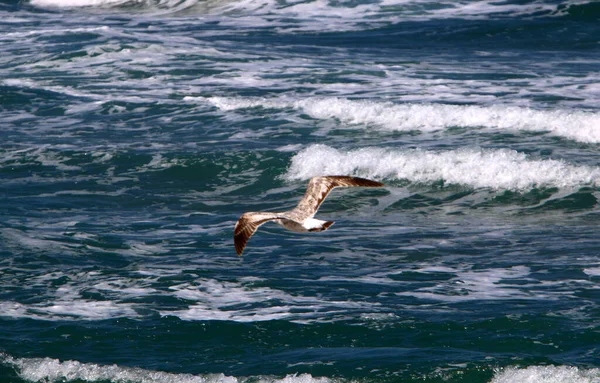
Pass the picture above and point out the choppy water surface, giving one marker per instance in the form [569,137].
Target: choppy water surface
[135,133]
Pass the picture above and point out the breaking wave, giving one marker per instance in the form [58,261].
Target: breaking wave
[54,370]
[409,9]
[573,125]
[161,6]
[477,168]
[555,374]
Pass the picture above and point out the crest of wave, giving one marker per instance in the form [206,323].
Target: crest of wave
[54,370]
[575,125]
[143,5]
[571,124]
[477,168]
[547,374]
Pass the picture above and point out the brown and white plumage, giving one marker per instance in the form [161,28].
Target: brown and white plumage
[299,219]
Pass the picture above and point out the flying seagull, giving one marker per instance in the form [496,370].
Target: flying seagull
[299,219]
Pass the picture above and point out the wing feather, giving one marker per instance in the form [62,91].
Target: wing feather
[319,188]
[247,225]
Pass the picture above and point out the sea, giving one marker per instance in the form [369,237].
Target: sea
[135,133]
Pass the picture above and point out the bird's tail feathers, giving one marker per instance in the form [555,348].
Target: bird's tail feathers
[323,227]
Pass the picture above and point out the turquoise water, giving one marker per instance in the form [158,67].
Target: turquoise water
[135,133]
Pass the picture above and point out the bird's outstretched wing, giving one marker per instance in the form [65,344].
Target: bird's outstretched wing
[318,189]
[247,225]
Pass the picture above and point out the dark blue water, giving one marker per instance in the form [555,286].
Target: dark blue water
[135,133]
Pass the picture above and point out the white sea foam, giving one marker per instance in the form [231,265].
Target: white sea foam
[479,285]
[74,3]
[156,7]
[17,239]
[77,309]
[173,4]
[41,154]
[242,302]
[592,271]
[54,370]
[339,14]
[85,309]
[484,8]
[477,168]
[547,374]
[334,15]
[46,85]
[66,301]
[575,125]
[56,31]
[203,300]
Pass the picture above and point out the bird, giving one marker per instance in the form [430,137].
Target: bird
[299,219]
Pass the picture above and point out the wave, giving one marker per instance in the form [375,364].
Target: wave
[382,13]
[556,374]
[78,3]
[476,168]
[170,6]
[54,370]
[574,125]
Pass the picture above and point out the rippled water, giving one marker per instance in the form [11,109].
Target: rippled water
[135,133]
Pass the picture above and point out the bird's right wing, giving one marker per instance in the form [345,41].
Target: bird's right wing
[247,225]
[318,189]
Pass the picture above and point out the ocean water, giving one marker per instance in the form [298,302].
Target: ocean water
[134,133]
